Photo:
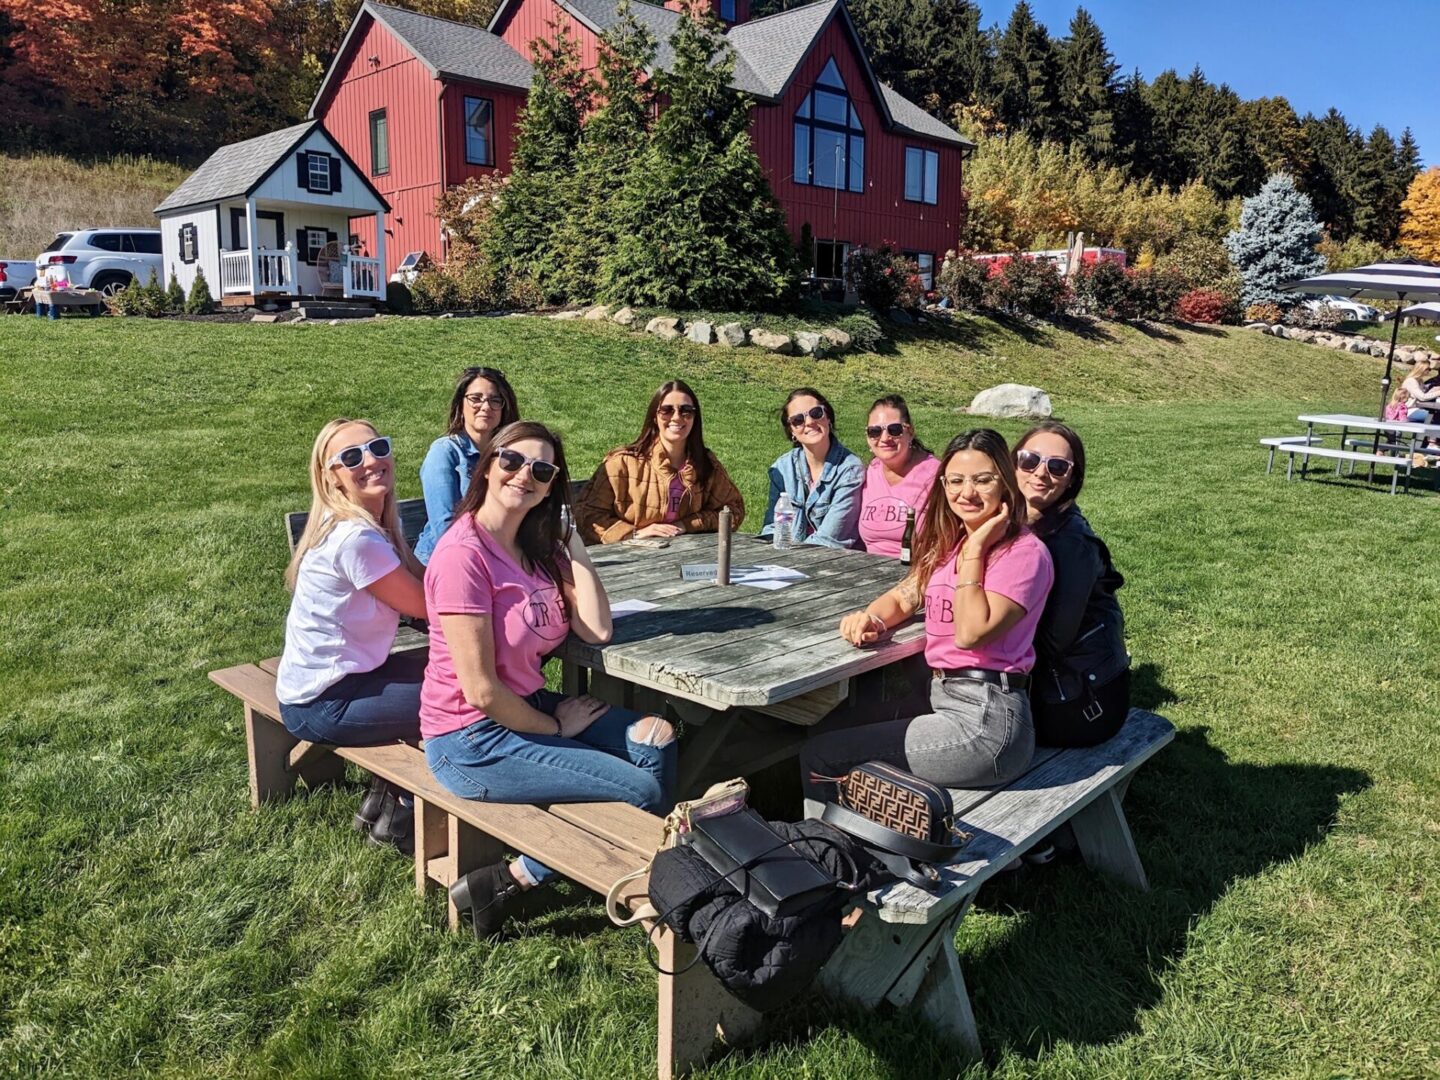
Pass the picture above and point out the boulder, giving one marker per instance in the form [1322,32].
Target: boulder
[1277,330]
[666,328]
[701,332]
[838,339]
[810,343]
[567,315]
[625,316]
[1358,347]
[900,317]
[1378,351]
[599,311]
[1257,326]
[731,334]
[1011,399]
[771,341]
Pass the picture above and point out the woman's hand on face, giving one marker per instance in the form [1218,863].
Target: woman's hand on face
[859,628]
[662,529]
[984,538]
[578,713]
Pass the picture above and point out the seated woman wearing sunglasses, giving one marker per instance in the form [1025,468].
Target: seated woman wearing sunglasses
[353,576]
[482,404]
[822,477]
[898,479]
[982,577]
[1081,694]
[665,483]
[504,587]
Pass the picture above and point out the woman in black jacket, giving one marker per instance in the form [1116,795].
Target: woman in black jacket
[1080,688]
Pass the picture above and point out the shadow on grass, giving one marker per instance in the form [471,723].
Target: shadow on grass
[1155,330]
[1201,328]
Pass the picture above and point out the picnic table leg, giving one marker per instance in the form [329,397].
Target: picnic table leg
[700,747]
[693,1006]
[1105,842]
[432,835]
[268,747]
[943,998]
[1344,431]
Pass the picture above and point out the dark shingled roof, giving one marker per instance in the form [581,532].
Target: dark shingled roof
[452,48]
[233,170]
[773,47]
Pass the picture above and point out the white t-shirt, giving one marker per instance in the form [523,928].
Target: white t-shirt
[336,628]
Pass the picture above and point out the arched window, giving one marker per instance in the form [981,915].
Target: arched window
[829,141]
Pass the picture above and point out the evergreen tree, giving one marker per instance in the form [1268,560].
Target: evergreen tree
[964,53]
[1276,135]
[1334,150]
[1372,194]
[1167,104]
[1275,242]
[1134,127]
[696,220]
[1025,76]
[902,38]
[1403,171]
[199,302]
[174,294]
[1087,88]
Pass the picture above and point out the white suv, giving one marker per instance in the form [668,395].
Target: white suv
[103,259]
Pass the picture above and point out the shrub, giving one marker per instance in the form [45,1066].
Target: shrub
[1103,288]
[962,281]
[174,294]
[883,278]
[1323,317]
[1264,312]
[1155,293]
[1200,261]
[1275,242]
[148,300]
[1205,306]
[199,302]
[1025,286]
[866,334]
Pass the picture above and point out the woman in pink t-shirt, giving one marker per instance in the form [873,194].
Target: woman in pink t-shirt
[898,479]
[982,578]
[504,586]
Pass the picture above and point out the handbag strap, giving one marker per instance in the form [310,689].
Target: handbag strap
[641,912]
[870,832]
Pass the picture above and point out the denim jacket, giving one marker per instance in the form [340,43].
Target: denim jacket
[444,479]
[828,515]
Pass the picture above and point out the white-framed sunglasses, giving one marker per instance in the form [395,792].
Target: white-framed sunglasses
[352,456]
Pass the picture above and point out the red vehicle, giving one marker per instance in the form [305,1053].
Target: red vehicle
[1059,256]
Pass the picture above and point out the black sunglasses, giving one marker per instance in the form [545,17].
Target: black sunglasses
[352,456]
[665,412]
[1029,461]
[874,431]
[798,419]
[512,461]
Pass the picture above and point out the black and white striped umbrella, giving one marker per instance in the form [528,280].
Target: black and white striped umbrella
[1422,311]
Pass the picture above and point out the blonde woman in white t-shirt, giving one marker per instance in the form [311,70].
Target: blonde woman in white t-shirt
[353,576]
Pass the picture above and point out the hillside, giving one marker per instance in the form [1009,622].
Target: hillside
[41,194]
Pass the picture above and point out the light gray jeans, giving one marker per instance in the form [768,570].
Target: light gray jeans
[976,735]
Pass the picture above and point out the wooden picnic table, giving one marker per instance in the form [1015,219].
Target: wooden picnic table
[49,302]
[750,667]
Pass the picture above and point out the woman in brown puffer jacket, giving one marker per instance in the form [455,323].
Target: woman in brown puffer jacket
[664,483]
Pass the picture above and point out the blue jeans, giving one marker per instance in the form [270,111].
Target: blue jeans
[365,708]
[488,762]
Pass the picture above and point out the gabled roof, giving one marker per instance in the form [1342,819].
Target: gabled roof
[774,46]
[453,49]
[233,171]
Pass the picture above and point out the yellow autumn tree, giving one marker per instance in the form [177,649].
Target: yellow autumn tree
[1420,216]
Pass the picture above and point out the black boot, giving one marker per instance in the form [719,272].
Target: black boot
[484,894]
[371,805]
[396,824]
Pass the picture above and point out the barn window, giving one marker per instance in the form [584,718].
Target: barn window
[379,143]
[479,131]
[829,138]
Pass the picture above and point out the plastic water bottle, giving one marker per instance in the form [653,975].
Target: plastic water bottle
[784,532]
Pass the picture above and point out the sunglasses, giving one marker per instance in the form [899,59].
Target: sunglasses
[874,431]
[665,412]
[352,456]
[1029,461]
[512,461]
[798,419]
[479,401]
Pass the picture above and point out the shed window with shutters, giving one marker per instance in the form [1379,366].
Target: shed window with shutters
[189,248]
[479,131]
[311,241]
[379,143]
[318,167]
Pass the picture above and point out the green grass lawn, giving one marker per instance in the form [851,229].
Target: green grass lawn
[150,922]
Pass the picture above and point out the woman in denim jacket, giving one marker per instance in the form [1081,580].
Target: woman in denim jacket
[823,478]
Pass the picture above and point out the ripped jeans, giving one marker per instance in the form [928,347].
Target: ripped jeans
[488,762]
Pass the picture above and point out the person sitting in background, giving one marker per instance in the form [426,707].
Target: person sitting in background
[899,476]
[504,587]
[1080,695]
[1416,388]
[982,578]
[353,576]
[823,479]
[482,404]
[665,483]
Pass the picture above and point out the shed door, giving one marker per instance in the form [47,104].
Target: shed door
[270,224]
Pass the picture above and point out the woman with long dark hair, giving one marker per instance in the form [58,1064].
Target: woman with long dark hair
[898,479]
[505,585]
[1081,693]
[665,483]
[982,578]
[481,405]
[822,477]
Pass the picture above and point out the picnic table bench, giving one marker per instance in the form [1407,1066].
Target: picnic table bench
[1387,435]
[50,302]
[901,949]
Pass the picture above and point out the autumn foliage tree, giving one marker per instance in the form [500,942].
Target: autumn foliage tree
[1420,224]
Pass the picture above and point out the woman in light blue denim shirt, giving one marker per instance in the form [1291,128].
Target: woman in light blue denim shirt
[483,403]
[824,479]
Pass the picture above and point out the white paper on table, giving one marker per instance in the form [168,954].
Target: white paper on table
[768,576]
[622,608]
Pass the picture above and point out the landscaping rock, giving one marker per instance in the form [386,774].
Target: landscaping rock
[567,315]
[599,311]
[1377,350]
[701,332]
[1012,399]
[1261,326]
[264,318]
[901,317]
[665,328]
[839,340]
[771,341]
[731,334]
[1357,346]
[810,343]
[1277,330]
[624,317]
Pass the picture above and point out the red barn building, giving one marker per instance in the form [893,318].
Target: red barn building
[423,103]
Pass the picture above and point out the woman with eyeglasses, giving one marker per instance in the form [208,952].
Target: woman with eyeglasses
[504,587]
[982,577]
[665,483]
[899,477]
[482,404]
[352,576]
[1081,693]
[822,477]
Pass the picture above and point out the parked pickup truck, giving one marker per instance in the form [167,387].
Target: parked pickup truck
[15,274]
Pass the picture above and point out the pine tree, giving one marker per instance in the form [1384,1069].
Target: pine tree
[174,294]
[1420,227]
[1025,76]
[1134,127]
[696,219]
[1087,88]
[1372,193]
[1275,242]
[1167,102]
[199,302]
[1334,151]
[1276,135]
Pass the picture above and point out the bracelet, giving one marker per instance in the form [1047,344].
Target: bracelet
[877,621]
[962,584]
[559,728]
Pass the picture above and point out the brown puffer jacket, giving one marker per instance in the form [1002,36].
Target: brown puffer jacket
[629,492]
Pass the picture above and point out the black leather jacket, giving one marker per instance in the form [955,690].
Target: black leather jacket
[1081,635]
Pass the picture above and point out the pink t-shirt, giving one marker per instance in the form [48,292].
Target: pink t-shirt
[469,574]
[672,502]
[882,505]
[1020,571]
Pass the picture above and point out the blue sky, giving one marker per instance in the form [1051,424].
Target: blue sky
[1378,62]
